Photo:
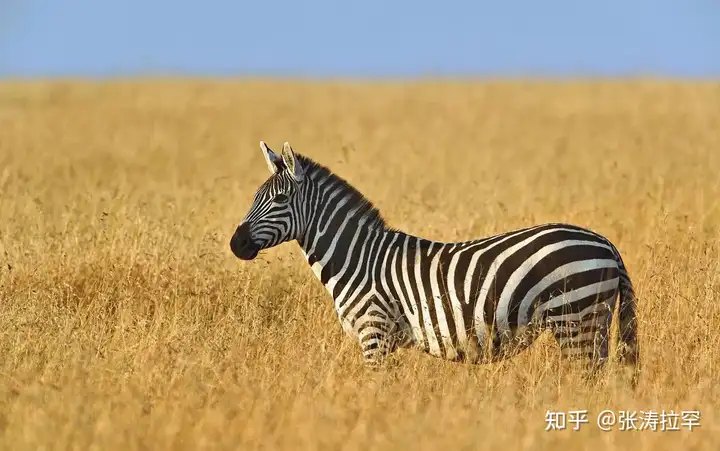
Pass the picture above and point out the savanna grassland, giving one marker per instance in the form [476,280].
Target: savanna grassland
[127,323]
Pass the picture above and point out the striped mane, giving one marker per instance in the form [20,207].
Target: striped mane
[316,171]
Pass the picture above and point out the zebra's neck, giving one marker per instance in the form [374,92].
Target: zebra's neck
[345,232]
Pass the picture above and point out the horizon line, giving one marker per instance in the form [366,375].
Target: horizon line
[298,78]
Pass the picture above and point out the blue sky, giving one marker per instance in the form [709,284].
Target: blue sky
[99,38]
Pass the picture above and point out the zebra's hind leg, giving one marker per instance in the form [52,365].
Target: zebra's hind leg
[585,335]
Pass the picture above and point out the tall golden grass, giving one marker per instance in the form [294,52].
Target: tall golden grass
[126,323]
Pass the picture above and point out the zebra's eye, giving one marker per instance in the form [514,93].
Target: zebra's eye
[280,199]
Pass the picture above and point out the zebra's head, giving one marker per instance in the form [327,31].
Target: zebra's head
[276,214]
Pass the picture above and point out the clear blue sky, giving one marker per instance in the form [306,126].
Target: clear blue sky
[668,38]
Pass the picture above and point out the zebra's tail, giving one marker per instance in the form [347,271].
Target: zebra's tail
[628,348]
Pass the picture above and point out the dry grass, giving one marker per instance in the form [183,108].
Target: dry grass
[126,323]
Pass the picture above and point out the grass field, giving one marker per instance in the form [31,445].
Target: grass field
[127,323]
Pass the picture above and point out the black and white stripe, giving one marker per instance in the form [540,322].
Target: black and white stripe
[479,300]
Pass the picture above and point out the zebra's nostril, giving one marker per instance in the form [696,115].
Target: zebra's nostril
[242,244]
[241,238]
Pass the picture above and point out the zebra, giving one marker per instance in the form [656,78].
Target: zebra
[476,301]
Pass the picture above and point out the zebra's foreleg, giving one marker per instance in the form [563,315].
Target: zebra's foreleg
[376,336]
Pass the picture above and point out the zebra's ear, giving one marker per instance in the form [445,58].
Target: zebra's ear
[271,158]
[291,162]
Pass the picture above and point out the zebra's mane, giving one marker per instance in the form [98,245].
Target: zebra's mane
[365,206]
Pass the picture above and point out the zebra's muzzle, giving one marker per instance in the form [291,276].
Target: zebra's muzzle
[242,245]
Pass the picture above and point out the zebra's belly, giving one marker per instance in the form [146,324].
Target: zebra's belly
[472,349]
